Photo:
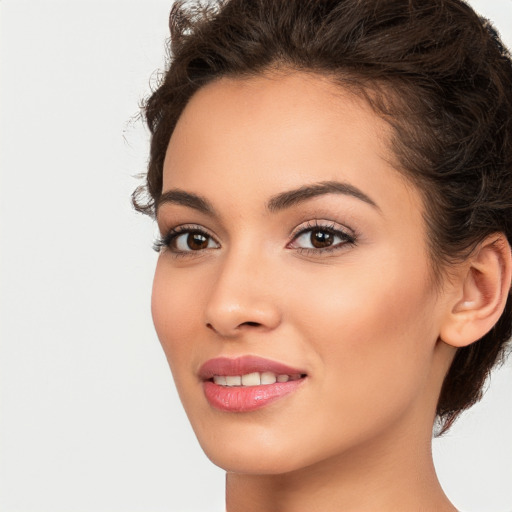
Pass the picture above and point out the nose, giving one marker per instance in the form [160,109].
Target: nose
[243,297]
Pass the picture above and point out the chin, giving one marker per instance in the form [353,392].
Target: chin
[250,449]
[253,461]
[260,450]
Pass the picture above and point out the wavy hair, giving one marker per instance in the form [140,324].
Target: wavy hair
[434,69]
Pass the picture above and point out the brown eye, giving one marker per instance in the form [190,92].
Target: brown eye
[320,239]
[197,241]
[317,238]
[191,240]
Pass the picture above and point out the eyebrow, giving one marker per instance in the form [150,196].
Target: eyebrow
[276,203]
[188,199]
[292,197]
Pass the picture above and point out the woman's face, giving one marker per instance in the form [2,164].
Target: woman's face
[296,243]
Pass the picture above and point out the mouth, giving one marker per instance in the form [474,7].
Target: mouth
[247,383]
[254,379]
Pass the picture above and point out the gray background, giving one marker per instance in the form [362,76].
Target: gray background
[89,417]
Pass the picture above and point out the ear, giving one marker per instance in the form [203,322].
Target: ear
[481,290]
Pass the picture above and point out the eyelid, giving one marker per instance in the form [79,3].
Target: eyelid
[168,236]
[347,235]
[328,225]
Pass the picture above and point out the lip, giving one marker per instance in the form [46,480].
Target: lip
[246,398]
[243,365]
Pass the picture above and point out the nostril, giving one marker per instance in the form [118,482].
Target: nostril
[232,330]
[253,324]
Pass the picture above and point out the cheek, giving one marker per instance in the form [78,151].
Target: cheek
[373,333]
[175,306]
[362,304]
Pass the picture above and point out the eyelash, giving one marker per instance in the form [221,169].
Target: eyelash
[165,241]
[347,239]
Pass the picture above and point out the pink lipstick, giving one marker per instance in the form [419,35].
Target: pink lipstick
[247,383]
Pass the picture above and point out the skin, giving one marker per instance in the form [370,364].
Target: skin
[364,320]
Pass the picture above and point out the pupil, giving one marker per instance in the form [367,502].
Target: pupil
[197,241]
[321,239]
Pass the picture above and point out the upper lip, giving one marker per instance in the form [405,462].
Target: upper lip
[244,365]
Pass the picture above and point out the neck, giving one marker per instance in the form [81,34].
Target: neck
[393,473]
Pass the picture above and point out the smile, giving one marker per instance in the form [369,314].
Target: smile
[253,379]
[247,383]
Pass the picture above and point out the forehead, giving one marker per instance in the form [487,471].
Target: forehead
[280,107]
[260,135]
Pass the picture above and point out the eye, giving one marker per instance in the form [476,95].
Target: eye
[319,238]
[193,241]
[186,239]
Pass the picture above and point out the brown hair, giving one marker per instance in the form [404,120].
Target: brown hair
[434,69]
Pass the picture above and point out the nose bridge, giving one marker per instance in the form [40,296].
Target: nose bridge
[242,295]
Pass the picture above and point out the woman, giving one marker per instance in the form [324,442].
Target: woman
[332,182]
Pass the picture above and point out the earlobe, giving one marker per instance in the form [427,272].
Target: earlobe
[483,288]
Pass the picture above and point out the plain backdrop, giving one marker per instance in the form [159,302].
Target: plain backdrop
[89,419]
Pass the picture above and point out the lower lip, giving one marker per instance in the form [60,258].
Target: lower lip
[247,398]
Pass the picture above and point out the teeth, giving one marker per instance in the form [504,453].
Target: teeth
[268,378]
[252,379]
[220,379]
[233,380]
